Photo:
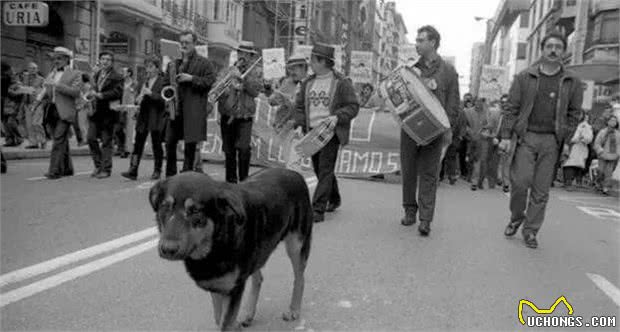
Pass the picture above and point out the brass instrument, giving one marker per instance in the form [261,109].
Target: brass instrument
[39,99]
[232,76]
[169,93]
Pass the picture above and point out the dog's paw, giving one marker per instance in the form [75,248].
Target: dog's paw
[290,316]
[247,321]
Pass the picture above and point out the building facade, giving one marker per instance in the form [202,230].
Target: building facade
[477,60]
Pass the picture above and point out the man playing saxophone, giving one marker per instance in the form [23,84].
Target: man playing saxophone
[237,108]
[194,78]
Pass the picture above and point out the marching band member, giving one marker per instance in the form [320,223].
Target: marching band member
[237,108]
[108,86]
[425,161]
[61,89]
[284,96]
[195,75]
[150,119]
[326,96]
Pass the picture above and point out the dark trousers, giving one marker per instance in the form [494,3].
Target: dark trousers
[532,170]
[236,139]
[158,151]
[449,162]
[60,158]
[102,155]
[324,163]
[79,136]
[571,173]
[462,156]
[173,136]
[11,130]
[119,132]
[423,162]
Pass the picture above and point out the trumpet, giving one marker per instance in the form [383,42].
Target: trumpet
[227,81]
[169,93]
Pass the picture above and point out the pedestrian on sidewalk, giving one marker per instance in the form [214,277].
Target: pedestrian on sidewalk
[33,82]
[544,104]
[237,108]
[607,147]
[577,154]
[326,96]
[108,90]
[195,76]
[62,89]
[10,106]
[151,118]
[424,161]
[505,157]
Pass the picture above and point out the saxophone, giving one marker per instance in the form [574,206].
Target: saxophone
[169,93]
[39,99]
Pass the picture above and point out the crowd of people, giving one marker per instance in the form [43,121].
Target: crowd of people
[521,142]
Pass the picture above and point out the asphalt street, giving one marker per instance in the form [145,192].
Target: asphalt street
[366,271]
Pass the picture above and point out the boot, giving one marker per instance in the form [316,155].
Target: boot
[157,169]
[231,167]
[132,173]
[244,165]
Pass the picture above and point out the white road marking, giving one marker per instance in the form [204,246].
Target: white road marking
[592,200]
[38,178]
[53,264]
[80,271]
[600,213]
[607,287]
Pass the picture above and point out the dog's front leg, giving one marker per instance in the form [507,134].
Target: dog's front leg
[218,301]
[230,307]
[250,309]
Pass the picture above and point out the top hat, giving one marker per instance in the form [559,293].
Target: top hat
[61,51]
[323,50]
[295,60]
[246,47]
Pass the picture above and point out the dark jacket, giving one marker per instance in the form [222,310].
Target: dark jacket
[241,103]
[193,96]
[344,105]
[521,101]
[152,108]
[447,91]
[112,90]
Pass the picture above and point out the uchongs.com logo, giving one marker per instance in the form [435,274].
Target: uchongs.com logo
[543,317]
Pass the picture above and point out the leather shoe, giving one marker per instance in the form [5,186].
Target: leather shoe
[331,207]
[424,228]
[530,240]
[318,217]
[409,218]
[102,175]
[512,228]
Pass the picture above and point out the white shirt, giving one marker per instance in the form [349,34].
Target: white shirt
[320,99]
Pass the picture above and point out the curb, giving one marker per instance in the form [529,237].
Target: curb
[35,154]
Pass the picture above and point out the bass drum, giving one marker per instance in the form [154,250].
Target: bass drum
[414,106]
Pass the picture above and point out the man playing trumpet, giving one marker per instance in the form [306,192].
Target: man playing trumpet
[237,108]
[194,79]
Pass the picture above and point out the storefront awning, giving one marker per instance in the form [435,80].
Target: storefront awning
[597,72]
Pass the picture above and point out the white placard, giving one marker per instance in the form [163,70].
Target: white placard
[203,51]
[338,54]
[408,55]
[361,67]
[493,82]
[273,63]
[234,56]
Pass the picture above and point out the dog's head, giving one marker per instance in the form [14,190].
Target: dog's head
[194,214]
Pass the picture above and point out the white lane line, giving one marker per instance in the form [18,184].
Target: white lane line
[80,271]
[53,264]
[607,287]
[38,178]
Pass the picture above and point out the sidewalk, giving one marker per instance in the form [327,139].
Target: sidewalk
[20,152]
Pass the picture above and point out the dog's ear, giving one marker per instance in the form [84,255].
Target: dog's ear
[156,194]
[229,204]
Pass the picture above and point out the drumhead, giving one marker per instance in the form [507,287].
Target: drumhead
[425,96]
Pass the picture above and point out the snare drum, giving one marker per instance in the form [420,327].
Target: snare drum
[316,139]
[414,106]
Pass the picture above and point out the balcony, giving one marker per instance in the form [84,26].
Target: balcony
[141,9]
[176,19]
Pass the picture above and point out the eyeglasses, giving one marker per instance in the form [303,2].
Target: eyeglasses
[420,40]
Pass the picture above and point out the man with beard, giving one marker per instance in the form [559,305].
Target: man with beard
[195,75]
[542,113]
[108,86]
[424,161]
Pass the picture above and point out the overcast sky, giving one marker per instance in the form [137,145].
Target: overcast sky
[455,21]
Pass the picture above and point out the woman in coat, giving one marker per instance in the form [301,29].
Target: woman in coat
[577,152]
[607,147]
[149,119]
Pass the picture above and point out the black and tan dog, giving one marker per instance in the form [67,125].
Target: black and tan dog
[226,232]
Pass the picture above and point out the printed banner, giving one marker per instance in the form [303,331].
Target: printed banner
[361,67]
[273,63]
[374,143]
[493,82]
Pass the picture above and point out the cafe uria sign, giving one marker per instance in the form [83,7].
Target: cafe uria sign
[25,13]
